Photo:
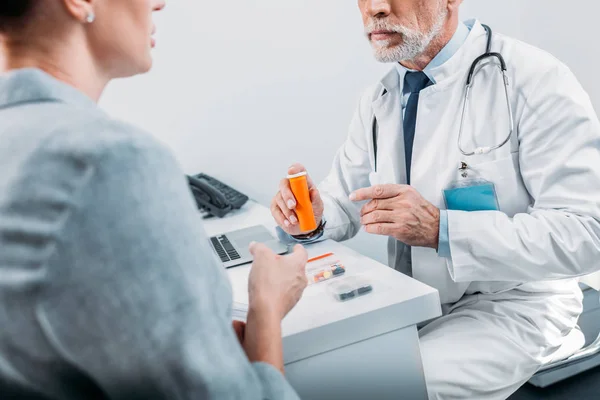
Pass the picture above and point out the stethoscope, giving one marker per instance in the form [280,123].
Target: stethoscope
[502,67]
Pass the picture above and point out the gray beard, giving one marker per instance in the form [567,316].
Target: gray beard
[413,43]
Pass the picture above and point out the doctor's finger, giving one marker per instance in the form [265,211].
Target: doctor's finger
[290,216]
[286,193]
[280,219]
[378,217]
[296,169]
[378,192]
[311,183]
[384,229]
[377,204]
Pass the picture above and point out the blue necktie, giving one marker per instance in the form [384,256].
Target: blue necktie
[415,82]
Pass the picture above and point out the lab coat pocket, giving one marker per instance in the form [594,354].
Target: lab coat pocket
[505,174]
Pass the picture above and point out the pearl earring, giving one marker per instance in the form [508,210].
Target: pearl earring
[91,17]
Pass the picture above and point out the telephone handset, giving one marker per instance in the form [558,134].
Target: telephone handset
[214,196]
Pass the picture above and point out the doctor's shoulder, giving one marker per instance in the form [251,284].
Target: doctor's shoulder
[540,81]
[528,65]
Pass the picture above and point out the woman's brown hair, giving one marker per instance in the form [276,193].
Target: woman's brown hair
[14,14]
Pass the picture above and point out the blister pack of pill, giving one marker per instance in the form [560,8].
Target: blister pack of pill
[325,272]
[350,288]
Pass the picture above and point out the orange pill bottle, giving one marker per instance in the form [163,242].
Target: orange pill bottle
[304,209]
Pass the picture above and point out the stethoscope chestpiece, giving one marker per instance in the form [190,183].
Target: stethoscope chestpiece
[482,150]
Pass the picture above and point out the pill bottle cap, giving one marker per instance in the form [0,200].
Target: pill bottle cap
[298,175]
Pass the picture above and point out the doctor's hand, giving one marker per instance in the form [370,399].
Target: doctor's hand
[284,203]
[401,212]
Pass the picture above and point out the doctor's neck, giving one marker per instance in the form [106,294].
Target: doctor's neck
[434,47]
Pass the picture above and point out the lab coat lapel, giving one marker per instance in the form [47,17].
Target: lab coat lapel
[435,148]
[390,148]
[435,153]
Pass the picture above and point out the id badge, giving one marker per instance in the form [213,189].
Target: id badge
[471,195]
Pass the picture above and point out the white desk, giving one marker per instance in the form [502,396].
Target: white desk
[363,348]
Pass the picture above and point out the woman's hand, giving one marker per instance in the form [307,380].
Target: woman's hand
[276,284]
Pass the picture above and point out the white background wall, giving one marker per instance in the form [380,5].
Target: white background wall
[241,89]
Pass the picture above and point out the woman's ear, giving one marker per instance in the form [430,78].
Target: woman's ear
[81,10]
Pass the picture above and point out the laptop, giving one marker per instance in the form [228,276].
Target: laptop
[232,247]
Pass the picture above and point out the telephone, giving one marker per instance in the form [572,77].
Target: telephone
[214,196]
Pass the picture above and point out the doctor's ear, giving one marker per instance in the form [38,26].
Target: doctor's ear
[453,5]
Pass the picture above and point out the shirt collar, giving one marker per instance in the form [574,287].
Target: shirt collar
[455,43]
[31,85]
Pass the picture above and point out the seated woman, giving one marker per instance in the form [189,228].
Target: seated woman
[108,287]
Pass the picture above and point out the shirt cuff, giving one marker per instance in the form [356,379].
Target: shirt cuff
[444,237]
[275,386]
[286,238]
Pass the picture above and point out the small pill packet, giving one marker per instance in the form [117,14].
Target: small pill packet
[350,288]
[325,272]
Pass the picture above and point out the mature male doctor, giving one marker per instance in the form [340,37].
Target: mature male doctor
[500,213]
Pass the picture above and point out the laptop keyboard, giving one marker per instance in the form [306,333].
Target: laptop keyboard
[224,248]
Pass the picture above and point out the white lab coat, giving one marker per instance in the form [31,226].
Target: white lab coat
[547,180]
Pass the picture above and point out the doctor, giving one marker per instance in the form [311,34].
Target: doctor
[500,213]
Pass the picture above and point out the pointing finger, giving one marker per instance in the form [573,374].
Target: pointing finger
[378,192]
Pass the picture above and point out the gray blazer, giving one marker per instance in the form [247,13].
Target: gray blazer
[108,288]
